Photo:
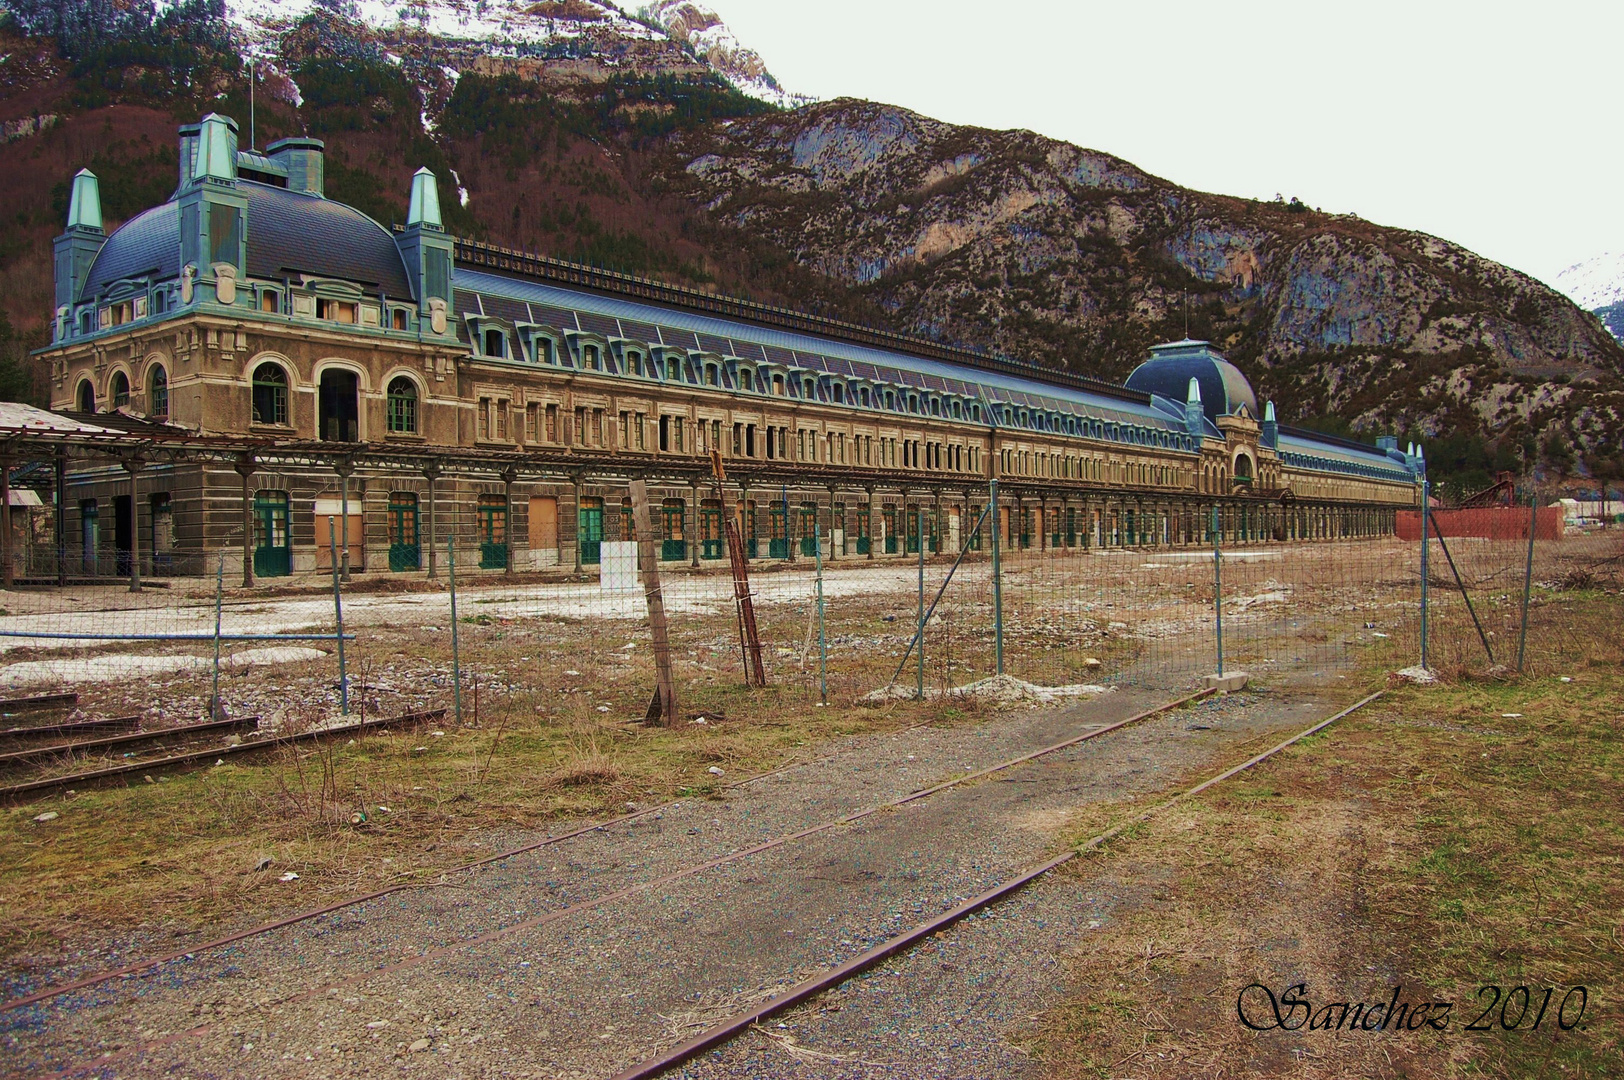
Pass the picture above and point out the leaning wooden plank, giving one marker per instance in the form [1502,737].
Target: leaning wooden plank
[39,701]
[74,727]
[217,752]
[241,723]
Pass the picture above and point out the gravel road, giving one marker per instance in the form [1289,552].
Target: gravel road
[493,975]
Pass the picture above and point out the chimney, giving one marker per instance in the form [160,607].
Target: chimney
[189,134]
[1387,443]
[304,158]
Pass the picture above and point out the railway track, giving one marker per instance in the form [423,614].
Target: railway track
[722,1032]
[828,980]
[199,743]
[155,964]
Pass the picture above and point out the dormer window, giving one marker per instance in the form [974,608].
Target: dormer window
[913,403]
[778,385]
[838,390]
[890,400]
[339,311]
[862,395]
[935,407]
[397,319]
[747,379]
[495,343]
[270,301]
[811,388]
[591,359]
[712,375]
[634,363]
[544,351]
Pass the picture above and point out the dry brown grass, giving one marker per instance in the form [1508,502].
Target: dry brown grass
[1431,842]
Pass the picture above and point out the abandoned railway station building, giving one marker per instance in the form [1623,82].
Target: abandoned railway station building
[255,359]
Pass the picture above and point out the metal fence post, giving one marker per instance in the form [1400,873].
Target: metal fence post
[456,652]
[823,652]
[919,690]
[997,581]
[219,585]
[1218,586]
[1528,573]
[338,616]
[1426,512]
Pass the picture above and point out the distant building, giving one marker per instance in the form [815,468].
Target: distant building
[328,361]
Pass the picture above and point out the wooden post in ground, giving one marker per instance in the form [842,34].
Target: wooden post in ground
[662,708]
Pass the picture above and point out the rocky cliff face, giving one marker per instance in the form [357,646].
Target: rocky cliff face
[655,142]
[1025,245]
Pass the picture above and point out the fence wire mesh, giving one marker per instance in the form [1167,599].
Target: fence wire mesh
[1061,611]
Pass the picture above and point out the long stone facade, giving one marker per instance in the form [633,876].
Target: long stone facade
[314,363]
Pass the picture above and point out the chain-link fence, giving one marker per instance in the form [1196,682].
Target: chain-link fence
[1080,603]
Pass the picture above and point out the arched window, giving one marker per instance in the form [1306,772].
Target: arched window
[270,394]
[544,350]
[86,397]
[711,378]
[158,391]
[495,343]
[121,390]
[839,393]
[634,363]
[589,357]
[402,405]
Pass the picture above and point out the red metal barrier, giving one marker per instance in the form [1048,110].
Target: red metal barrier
[1489,522]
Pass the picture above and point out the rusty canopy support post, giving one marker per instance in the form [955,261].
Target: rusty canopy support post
[133,465]
[431,473]
[344,468]
[245,469]
[575,481]
[6,570]
[508,477]
[662,707]
[62,516]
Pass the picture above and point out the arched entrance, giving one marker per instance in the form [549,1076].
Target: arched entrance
[338,406]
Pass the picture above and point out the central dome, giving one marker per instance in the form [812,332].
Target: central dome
[1171,367]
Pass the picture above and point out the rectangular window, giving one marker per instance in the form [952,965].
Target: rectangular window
[501,420]
[580,427]
[637,433]
[268,301]
[665,434]
[552,423]
[738,447]
[484,418]
[676,433]
[397,319]
[342,311]
[597,427]
[625,430]
[532,420]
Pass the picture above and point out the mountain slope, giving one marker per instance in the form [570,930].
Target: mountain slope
[656,144]
[1597,285]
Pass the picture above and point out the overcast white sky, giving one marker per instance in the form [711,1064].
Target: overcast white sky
[1491,124]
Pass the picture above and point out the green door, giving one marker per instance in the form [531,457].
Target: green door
[404,550]
[809,529]
[673,546]
[863,543]
[778,542]
[911,525]
[589,526]
[890,518]
[710,529]
[273,553]
[493,549]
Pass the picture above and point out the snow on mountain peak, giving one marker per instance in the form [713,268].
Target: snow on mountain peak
[517,27]
[1596,282]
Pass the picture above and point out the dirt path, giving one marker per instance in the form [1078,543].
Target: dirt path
[592,991]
